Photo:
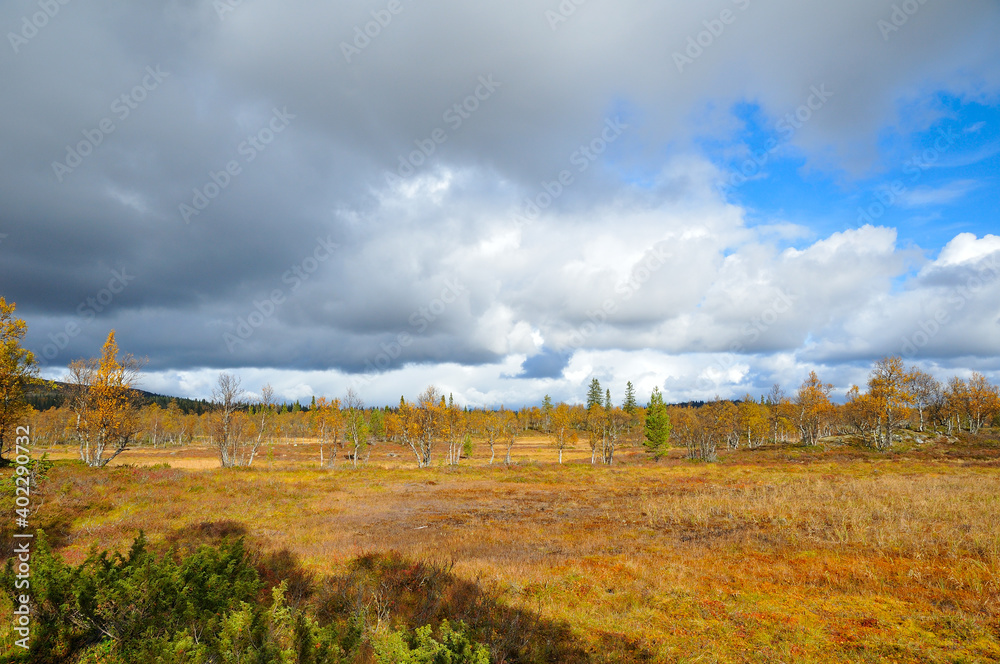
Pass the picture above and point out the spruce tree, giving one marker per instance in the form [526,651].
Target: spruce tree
[594,394]
[657,426]
[547,409]
[629,406]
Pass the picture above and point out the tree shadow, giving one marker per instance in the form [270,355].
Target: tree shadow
[211,533]
[387,590]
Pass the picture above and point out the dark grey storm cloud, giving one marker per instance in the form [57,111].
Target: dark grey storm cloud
[182,170]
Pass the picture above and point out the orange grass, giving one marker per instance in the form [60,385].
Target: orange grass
[829,554]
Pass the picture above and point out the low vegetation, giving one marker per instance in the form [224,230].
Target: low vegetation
[833,552]
[211,605]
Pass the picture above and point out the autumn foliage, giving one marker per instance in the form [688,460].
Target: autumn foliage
[18,370]
[105,404]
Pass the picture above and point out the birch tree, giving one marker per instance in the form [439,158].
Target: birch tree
[814,407]
[492,430]
[262,420]
[562,429]
[108,405]
[355,427]
[326,424]
[511,430]
[924,391]
[228,427]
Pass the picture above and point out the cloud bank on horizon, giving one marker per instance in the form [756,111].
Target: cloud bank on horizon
[504,199]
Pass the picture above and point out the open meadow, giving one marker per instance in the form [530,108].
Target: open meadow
[825,553]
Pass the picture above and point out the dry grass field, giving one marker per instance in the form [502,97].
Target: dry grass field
[795,554]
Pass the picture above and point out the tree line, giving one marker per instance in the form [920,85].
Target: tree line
[103,415]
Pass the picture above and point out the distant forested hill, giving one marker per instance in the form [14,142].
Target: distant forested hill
[52,394]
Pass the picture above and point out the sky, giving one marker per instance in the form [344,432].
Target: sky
[503,199]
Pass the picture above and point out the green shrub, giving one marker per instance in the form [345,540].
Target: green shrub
[138,603]
[204,608]
[420,647]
